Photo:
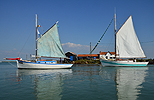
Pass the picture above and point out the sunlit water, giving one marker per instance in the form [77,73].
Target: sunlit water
[82,82]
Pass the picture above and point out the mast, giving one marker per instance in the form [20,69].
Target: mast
[90,47]
[36,37]
[115,35]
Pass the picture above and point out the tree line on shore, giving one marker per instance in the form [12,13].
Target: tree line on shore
[92,61]
[151,61]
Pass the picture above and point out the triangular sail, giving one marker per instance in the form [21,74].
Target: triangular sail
[127,43]
[49,44]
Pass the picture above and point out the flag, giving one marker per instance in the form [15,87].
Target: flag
[57,25]
[38,32]
[39,26]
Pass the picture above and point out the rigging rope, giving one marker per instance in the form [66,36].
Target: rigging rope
[147,42]
[17,40]
[109,43]
[25,44]
[101,37]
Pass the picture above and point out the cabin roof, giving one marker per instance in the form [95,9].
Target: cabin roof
[87,55]
[104,53]
[71,52]
[113,53]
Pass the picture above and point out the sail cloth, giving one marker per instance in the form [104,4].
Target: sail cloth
[49,44]
[127,43]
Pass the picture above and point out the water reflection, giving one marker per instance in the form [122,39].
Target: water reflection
[122,83]
[86,70]
[47,83]
[108,73]
[129,82]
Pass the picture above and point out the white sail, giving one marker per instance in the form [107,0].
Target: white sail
[127,43]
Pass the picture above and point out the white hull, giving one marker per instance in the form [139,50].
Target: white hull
[122,63]
[32,65]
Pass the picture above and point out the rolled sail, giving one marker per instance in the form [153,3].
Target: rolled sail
[127,43]
[49,44]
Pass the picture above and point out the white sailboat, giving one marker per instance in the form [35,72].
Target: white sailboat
[127,46]
[48,45]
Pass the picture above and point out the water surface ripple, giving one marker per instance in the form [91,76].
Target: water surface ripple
[82,82]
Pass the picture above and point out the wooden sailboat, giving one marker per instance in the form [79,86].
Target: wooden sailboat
[127,46]
[48,45]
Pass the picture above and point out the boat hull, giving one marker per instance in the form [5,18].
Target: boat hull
[33,65]
[122,63]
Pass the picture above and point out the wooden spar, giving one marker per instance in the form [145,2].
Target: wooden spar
[115,35]
[90,46]
[101,37]
[36,38]
[49,28]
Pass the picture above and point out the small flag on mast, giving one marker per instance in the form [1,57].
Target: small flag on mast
[39,26]
[38,32]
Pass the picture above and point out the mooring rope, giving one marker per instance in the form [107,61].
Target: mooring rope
[12,64]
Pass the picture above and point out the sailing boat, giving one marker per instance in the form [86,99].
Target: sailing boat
[126,46]
[48,45]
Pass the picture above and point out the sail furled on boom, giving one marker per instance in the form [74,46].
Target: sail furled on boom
[128,45]
[101,37]
[49,44]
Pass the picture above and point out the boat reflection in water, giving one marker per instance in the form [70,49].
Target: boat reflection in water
[47,83]
[128,80]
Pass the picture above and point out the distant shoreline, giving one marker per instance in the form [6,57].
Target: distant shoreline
[7,61]
[85,61]
[92,62]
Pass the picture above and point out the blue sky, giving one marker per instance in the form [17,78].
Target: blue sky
[80,21]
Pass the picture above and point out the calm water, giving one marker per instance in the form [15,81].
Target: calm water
[82,82]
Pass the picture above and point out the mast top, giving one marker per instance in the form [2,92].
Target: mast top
[115,23]
[57,22]
[35,20]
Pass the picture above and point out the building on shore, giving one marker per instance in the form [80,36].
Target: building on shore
[73,57]
[88,56]
[107,55]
